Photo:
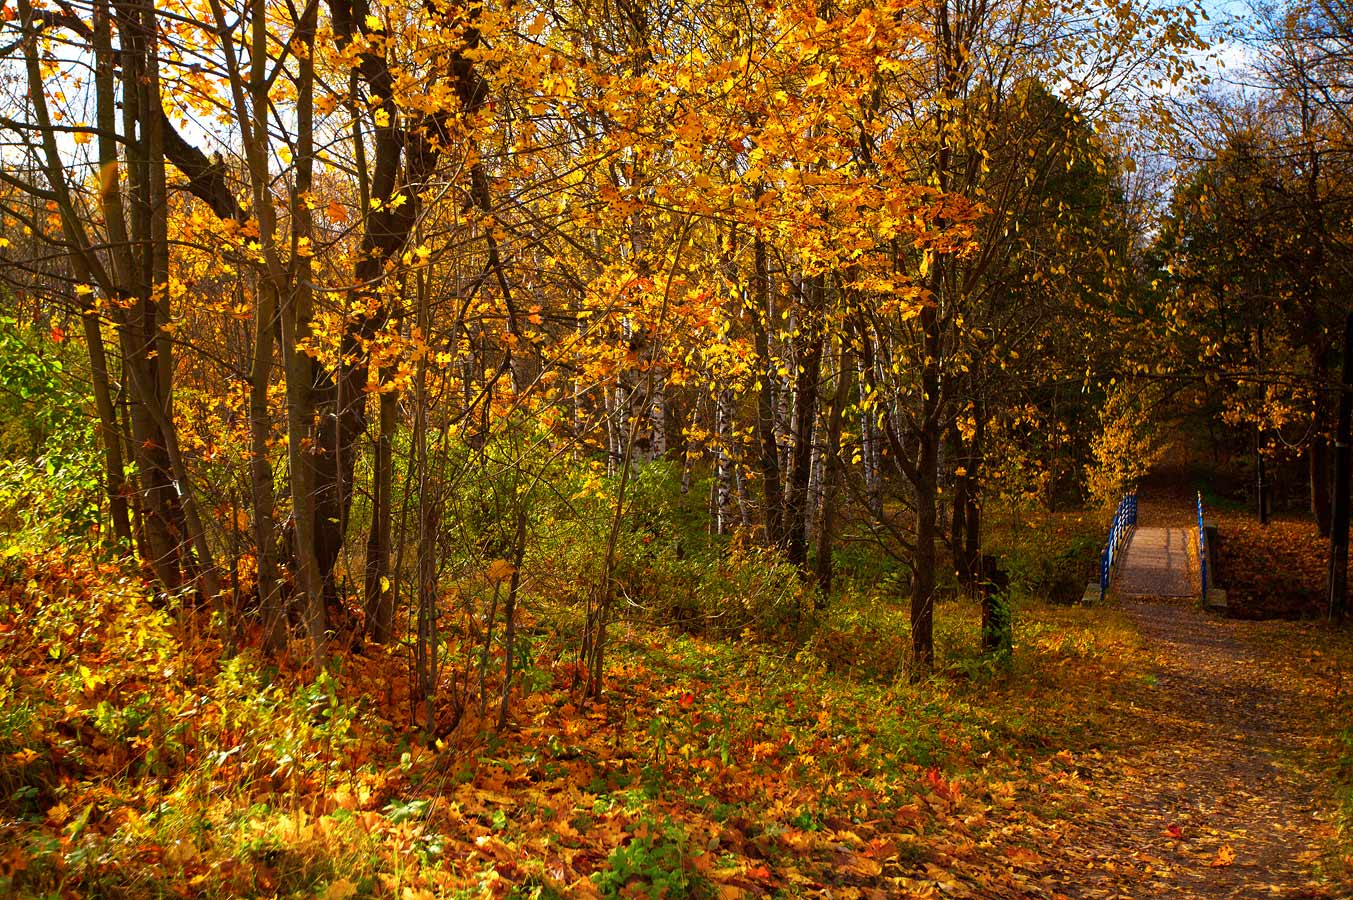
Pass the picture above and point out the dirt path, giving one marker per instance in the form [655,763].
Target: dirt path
[1218,794]
[1218,801]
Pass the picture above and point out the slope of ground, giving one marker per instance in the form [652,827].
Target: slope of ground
[135,761]
[1273,571]
[1222,792]
[138,760]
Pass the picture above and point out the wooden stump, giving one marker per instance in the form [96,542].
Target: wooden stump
[996,627]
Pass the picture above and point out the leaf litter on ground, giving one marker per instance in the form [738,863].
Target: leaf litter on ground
[139,759]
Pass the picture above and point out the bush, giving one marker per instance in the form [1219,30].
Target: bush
[49,465]
[1049,556]
[669,570]
[657,861]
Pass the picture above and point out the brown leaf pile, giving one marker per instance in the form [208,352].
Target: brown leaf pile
[1274,571]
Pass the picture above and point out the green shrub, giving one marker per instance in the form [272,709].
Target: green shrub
[657,861]
[668,569]
[49,465]
[1051,556]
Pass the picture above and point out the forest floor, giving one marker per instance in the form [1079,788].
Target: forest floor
[1132,750]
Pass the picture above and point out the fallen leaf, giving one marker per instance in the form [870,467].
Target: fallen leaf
[342,889]
[1225,856]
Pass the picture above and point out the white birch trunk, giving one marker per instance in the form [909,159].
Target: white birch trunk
[723,465]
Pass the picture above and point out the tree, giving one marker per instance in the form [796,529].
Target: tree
[1255,253]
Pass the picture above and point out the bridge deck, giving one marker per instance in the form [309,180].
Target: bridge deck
[1158,563]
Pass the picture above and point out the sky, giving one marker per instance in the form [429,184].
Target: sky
[1225,18]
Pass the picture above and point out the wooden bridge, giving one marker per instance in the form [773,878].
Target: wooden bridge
[1158,562]
[1164,558]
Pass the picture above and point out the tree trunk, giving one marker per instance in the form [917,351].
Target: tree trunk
[871,440]
[311,577]
[1261,482]
[380,599]
[723,462]
[925,479]
[657,421]
[191,524]
[1262,486]
[831,475]
[972,519]
[1318,460]
[110,203]
[114,471]
[1338,561]
[923,565]
[139,329]
[263,489]
[510,611]
[805,419]
[426,646]
[762,317]
[997,637]
[135,501]
[162,520]
[958,522]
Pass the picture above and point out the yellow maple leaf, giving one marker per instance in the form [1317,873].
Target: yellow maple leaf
[341,889]
[499,570]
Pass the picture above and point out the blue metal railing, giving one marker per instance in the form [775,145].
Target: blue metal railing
[1124,520]
[1202,547]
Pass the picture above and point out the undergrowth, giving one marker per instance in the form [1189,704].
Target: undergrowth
[138,759]
[752,741]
